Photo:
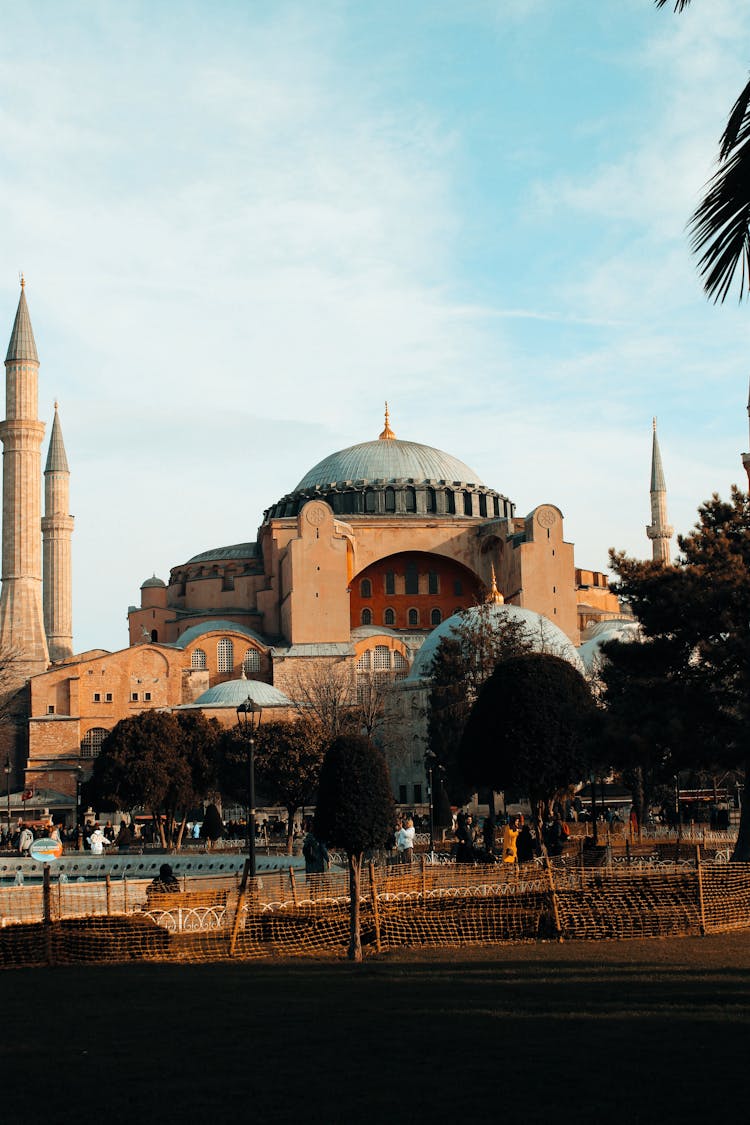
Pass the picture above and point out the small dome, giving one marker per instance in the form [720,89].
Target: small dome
[543,633]
[234,692]
[386,461]
[603,631]
[153,581]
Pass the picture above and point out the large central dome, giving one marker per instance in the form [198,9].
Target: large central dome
[388,461]
[394,479]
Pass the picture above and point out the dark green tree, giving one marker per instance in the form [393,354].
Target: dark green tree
[355,812]
[212,828]
[161,761]
[721,224]
[463,662]
[288,758]
[695,617]
[530,729]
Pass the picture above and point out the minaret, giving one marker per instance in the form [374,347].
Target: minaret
[658,530]
[21,618]
[57,528]
[746,456]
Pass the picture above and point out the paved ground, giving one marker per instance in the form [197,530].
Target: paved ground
[642,1031]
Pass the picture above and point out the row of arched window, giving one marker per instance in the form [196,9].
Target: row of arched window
[225,658]
[411,583]
[412,617]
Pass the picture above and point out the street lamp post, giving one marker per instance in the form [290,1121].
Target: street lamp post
[79,833]
[429,761]
[248,720]
[7,769]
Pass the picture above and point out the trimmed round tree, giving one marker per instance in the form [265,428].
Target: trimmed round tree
[355,812]
[530,729]
[212,828]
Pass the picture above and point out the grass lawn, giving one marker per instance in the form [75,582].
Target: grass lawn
[648,1031]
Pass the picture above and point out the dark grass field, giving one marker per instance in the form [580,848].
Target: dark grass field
[641,1031]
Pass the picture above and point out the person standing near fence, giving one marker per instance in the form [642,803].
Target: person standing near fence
[25,840]
[510,838]
[405,841]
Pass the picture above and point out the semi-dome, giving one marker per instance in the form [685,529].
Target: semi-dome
[544,635]
[390,460]
[234,692]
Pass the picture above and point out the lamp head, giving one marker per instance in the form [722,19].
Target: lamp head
[249,715]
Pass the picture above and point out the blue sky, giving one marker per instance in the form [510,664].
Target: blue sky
[244,226]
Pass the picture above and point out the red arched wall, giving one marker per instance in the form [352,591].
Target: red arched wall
[457,588]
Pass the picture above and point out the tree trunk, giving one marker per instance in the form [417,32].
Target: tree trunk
[639,795]
[160,826]
[181,833]
[741,852]
[354,953]
[290,811]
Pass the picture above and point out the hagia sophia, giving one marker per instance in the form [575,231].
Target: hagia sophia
[357,571]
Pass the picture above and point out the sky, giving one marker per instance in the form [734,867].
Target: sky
[244,226]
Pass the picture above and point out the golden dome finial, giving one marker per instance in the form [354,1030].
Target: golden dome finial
[387,434]
[23,280]
[494,597]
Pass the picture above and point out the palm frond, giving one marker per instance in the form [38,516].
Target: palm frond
[679,5]
[721,224]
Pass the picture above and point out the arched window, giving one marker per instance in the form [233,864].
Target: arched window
[370,501]
[366,617]
[91,743]
[197,659]
[450,501]
[365,588]
[390,500]
[389,617]
[364,663]
[413,617]
[482,504]
[412,578]
[400,665]
[496,505]
[154,635]
[251,661]
[433,584]
[467,504]
[381,659]
[431,501]
[435,617]
[410,499]
[390,582]
[225,654]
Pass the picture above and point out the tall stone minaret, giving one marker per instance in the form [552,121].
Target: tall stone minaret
[746,456]
[658,530]
[57,528]
[21,618]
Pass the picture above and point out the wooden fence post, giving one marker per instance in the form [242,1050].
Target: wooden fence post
[555,904]
[701,904]
[108,890]
[124,894]
[293,886]
[424,877]
[375,907]
[240,905]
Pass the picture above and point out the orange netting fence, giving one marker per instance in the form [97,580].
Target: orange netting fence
[288,914]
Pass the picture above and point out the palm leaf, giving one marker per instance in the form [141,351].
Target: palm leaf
[721,224]
[679,5]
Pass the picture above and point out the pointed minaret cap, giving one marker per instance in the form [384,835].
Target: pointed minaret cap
[387,434]
[57,462]
[658,484]
[494,597]
[22,345]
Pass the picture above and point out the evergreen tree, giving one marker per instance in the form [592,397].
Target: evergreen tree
[355,812]
[212,828]
[695,617]
[530,729]
[161,761]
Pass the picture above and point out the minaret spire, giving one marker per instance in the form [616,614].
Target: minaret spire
[658,531]
[21,617]
[57,527]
